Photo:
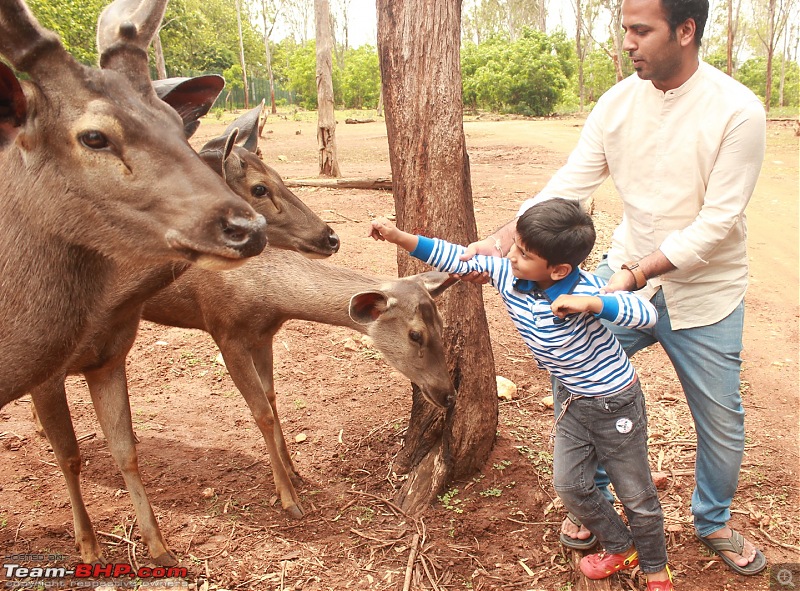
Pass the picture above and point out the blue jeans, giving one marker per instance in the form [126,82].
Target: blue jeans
[707,360]
[612,430]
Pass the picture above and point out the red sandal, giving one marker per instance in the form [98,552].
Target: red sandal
[602,565]
[662,585]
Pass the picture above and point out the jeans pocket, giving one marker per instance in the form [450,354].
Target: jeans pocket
[624,401]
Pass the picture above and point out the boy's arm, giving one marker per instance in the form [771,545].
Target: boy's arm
[437,253]
[621,307]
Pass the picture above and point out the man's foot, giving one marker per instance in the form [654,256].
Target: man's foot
[575,535]
[739,554]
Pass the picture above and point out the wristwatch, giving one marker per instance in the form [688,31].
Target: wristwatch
[638,274]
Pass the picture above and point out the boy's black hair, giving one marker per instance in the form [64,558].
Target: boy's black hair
[557,230]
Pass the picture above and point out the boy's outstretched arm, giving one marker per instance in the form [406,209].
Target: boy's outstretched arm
[383,229]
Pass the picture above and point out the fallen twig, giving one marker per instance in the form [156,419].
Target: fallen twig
[779,543]
[412,556]
[397,510]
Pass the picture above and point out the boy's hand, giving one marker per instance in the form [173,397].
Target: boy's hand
[574,304]
[382,229]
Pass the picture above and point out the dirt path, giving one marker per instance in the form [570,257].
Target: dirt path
[207,472]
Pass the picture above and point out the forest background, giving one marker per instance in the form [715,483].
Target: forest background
[514,59]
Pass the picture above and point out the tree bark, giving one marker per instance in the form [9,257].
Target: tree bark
[161,66]
[418,49]
[326,119]
[268,56]
[241,54]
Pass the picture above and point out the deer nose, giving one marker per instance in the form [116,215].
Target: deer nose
[333,241]
[248,236]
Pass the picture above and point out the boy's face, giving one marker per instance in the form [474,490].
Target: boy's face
[529,265]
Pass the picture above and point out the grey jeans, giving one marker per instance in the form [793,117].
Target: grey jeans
[612,431]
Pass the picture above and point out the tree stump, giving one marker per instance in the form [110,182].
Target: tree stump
[584,584]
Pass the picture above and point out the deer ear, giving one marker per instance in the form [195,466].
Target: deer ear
[217,151]
[13,105]
[436,282]
[248,128]
[192,98]
[367,306]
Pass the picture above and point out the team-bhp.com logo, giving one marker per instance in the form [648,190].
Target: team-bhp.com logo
[16,573]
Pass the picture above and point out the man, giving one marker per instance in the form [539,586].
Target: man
[684,144]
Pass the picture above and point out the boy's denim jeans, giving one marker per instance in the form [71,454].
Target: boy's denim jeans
[611,430]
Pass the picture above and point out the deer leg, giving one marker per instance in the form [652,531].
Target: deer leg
[109,389]
[262,359]
[52,412]
[240,363]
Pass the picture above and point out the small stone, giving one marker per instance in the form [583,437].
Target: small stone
[506,389]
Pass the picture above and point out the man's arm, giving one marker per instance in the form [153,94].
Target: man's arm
[653,265]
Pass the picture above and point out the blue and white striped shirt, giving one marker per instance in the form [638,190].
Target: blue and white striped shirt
[582,353]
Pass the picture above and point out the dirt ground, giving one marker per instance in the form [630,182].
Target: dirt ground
[208,475]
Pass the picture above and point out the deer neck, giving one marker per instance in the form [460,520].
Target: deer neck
[318,291]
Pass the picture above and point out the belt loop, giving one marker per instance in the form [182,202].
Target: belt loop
[564,407]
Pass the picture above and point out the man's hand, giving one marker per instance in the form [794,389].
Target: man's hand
[567,304]
[488,247]
[620,281]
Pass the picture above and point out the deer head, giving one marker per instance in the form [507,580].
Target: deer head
[406,326]
[92,158]
[291,225]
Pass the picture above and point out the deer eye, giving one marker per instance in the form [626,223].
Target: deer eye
[94,140]
[259,190]
[415,336]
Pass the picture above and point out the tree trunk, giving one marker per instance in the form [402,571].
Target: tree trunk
[241,55]
[326,119]
[268,56]
[729,68]
[161,66]
[770,54]
[580,52]
[418,49]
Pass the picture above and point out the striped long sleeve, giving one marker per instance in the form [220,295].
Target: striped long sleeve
[579,350]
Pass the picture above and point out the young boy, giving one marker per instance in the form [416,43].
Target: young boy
[557,309]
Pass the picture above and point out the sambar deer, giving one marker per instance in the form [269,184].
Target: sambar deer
[95,172]
[242,310]
[101,355]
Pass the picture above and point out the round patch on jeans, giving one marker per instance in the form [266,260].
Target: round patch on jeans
[624,425]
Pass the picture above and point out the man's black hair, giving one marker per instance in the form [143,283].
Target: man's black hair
[557,230]
[678,12]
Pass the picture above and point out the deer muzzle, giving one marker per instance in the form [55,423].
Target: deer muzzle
[223,244]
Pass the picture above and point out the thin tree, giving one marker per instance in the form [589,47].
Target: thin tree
[268,28]
[161,65]
[241,54]
[326,118]
[776,19]
[418,49]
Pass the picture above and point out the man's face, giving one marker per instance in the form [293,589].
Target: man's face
[655,50]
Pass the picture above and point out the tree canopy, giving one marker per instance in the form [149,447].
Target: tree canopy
[509,64]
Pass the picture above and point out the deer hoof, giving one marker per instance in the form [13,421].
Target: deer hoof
[91,553]
[295,511]
[166,559]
